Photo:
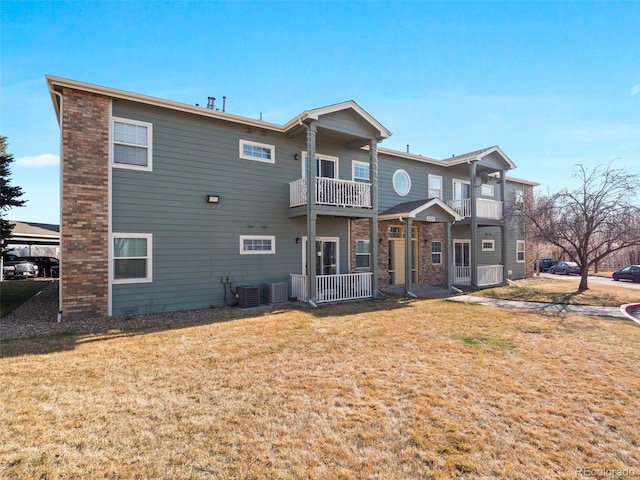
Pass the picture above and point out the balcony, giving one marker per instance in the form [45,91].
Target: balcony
[331,192]
[334,288]
[485,208]
[487,275]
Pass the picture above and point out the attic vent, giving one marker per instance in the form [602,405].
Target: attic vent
[249,296]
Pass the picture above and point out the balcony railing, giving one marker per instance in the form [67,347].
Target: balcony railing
[487,275]
[332,192]
[485,208]
[334,288]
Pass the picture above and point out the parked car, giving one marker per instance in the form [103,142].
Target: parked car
[544,264]
[565,268]
[47,266]
[630,272]
[16,267]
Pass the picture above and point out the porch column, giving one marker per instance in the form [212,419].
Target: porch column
[473,264]
[448,257]
[373,223]
[408,255]
[503,225]
[312,215]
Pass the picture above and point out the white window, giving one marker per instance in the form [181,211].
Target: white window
[257,244]
[488,245]
[436,253]
[132,141]
[363,254]
[486,190]
[435,186]
[401,182]
[360,172]
[260,152]
[520,251]
[132,257]
[326,166]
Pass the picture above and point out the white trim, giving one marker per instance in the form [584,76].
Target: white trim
[492,248]
[249,143]
[429,177]
[149,147]
[397,173]
[272,238]
[412,214]
[441,252]
[368,254]
[149,257]
[486,186]
[358,163]
[518,250]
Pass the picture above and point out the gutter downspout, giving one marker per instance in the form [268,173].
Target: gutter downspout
[61,263]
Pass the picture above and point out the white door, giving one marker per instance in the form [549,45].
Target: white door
[462,262]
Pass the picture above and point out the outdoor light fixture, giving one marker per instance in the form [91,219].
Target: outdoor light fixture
[213,198]
[298,239]
[296,157]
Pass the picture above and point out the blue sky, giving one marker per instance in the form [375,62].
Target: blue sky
[551,83]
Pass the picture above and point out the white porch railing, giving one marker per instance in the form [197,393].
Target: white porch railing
[485,208]
[334,288]
[331,191]
[487,275]
[461,275]
[490,275]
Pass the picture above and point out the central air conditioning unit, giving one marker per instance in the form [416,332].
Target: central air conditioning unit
[275,293]
[249,296]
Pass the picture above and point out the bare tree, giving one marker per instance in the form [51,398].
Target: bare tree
[599,217]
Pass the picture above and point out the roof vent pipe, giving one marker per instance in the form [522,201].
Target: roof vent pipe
[407,148]
[224,104]
[211,103]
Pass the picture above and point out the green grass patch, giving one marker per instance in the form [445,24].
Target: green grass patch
[14,293]
[486,341]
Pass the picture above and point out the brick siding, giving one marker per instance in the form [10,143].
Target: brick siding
[85,187]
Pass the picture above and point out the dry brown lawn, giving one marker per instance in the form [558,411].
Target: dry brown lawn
[386,389]
[550,290]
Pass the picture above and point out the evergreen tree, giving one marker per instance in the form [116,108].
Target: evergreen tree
[9,196]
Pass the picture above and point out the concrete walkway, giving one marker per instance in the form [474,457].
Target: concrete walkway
[543,307]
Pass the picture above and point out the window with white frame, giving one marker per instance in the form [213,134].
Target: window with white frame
[132,257]
[257,244]
[486,190]
[520,251]
[363,253]
[132,144]
[435,186]
[488,245]
[360,172]
[260,152]
[436,253]
[401,182]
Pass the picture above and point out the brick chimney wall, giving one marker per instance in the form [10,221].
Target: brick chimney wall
[85,189]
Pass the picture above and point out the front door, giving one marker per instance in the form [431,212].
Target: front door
[462,262]
[397,261]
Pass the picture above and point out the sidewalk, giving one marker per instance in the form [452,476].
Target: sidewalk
[543,307]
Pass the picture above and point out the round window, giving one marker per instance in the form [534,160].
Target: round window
[401,182]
